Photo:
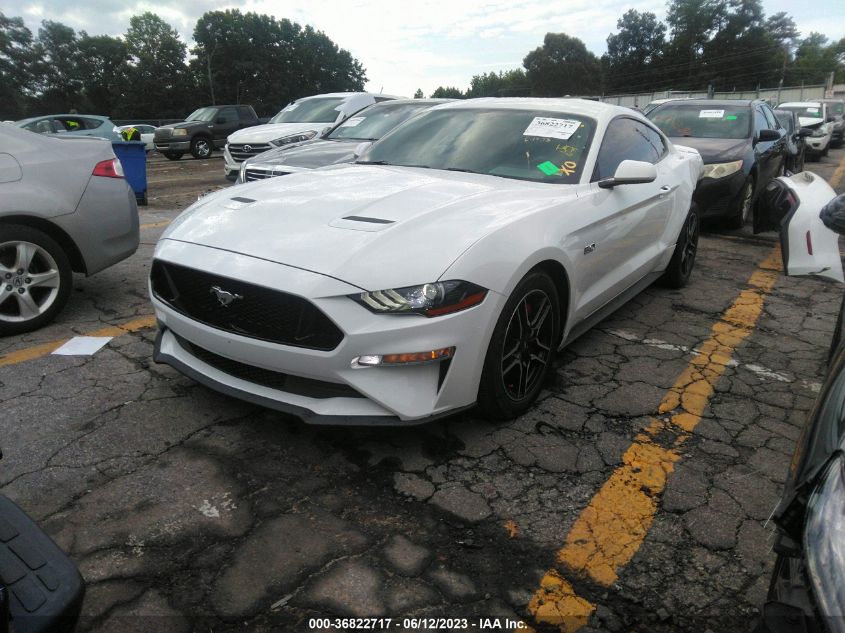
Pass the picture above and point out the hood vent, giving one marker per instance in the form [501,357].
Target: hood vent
[361,218]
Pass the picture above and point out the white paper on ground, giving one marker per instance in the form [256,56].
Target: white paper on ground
[83,345]
[551,128]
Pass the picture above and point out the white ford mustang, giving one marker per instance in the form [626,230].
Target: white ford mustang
[442,270]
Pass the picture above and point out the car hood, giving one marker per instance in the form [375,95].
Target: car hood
[374,227]
[271,131]
[309,155]
[716,150]
[812,122]
[184,124]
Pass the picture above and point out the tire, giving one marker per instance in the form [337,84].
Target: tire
[521,349]
[745,206]
[45,278]
[826,150]
[201,147]
[683,259]
[173,155]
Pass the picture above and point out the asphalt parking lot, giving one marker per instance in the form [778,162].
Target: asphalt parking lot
[633,496]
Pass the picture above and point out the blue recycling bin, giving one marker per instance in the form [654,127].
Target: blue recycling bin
[133,157]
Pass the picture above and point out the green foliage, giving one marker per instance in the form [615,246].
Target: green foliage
[639,44]
[449,92]
[103,67]
[419,94]
[16,57]
[562,66]
[509,83]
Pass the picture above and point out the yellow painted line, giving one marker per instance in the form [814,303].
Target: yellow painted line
[613,526]
[838,175]
[37,351]
[156,225]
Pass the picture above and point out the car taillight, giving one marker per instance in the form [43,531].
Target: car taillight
[108,169]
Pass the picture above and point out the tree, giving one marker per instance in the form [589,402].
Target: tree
[561,66]
[157,81]
[815,59]
[419,94]
[104,69]
[632,51]
[509,83]
[692,23]
[447,93]
[58,80]
[16,56]
[256,59]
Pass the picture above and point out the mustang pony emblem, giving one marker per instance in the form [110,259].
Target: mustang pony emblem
[224,296]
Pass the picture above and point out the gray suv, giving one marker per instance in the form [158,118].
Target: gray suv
[65,207]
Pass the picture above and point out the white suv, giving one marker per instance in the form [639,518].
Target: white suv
[301,120]
[816,116]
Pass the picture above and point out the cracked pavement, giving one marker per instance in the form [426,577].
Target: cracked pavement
[188,510]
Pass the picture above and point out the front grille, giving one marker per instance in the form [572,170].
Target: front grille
[162,133]
[253,311]
[307,387]
[261,174]
[242,151]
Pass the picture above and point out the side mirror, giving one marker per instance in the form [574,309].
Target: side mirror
[803,132]
[833,214]
[768,135]
[360,148]
[630,172]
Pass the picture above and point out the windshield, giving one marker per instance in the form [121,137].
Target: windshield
[374,122]
[838,107]
[807,112]
[703,121]
[310,111]
[203,114]
[533,145]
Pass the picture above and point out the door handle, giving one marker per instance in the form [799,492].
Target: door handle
[666,188]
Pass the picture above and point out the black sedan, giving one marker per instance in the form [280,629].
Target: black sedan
[795,135]
[338,145]
[743,147]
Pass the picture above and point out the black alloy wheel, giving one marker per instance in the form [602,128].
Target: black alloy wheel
[521,349]
[682,263]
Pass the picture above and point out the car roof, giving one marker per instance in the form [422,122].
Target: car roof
[348,94]
[799,104]
[584,107]
[718,102]
[429,102]
[51,116]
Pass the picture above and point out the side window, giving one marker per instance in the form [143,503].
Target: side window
[656,140]
[626,139]
[760,122]
[770,117]
[245,115]
[90,124]
[229,115]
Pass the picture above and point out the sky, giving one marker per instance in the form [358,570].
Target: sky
[418,44]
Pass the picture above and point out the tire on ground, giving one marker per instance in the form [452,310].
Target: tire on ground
[201,147]
[680,267]
[13,233]
[494,401]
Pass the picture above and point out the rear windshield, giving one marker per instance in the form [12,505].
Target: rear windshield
[697,121]
[374,122]
[310,111]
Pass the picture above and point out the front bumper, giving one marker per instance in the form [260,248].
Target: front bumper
[382,395]
[719,197]
[817,144]
[181,146]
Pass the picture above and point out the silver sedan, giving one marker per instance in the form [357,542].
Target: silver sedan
[64,207]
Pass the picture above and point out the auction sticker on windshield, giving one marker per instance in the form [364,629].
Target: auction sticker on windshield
[353,121]
[552,128]
[711,114]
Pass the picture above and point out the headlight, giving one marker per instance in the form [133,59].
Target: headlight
[180,131]
[294,138]
[824,544]
[720,170]
[431,300]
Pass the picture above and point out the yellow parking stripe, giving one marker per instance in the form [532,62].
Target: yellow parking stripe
[155,225]
[37,351]
[613,526]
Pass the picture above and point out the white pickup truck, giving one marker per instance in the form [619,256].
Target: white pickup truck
[300,121]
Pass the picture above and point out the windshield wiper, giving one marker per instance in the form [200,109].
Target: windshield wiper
[371,162]
[466,171]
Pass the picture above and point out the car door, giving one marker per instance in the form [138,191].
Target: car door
[779,146]
[765,152]
[792,205]
[623,242]
[226,122]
